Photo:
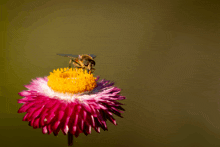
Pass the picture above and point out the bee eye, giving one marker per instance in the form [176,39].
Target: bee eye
[92,62]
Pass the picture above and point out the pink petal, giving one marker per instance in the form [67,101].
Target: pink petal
[28,118]
[102,122]
[78,108]
[111,119]
[65,129]
[87,129]
[97,78]
[94,113]
[69,110]
[97,129]
[102,107]
[26,99]
[60,115]
[113,108]
[36,123]
[52,103]
[76,120]
[36,113]
[56,124]
[24,93]
[76,134]
[82,124]
[120,108]
[44,130]
[115,111]
[87,107]
[63,106]
[73,130]
[57,130]
[54,108]
[84,115]
[49,117]
[25,117]
[49,129]
[93,121]
[31,122]
[25,107]
[53,114]
[43,116]
[66,121]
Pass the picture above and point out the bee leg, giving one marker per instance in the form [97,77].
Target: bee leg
[81,64]
[70,63]
[76,65]
[92,70]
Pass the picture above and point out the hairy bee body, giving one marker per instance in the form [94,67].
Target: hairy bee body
[81,61]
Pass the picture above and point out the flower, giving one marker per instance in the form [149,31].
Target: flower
[70,100]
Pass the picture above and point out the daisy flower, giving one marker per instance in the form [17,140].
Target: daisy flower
[72,101]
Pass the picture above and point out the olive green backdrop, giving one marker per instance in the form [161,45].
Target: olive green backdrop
[164,54]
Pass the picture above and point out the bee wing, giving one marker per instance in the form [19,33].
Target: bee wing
[68,55]
[92,55]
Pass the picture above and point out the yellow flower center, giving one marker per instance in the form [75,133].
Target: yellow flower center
[71,80]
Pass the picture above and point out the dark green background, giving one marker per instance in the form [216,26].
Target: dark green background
[164,54]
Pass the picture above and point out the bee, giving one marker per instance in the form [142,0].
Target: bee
[81,61]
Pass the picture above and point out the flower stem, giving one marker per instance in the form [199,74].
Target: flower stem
[70,139]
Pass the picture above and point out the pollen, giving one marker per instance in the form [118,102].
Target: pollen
[71,80]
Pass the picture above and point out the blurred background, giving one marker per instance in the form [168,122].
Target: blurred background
[164,54]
